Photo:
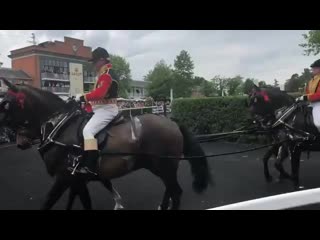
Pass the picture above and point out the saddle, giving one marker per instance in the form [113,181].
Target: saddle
[51,129]
[103,135]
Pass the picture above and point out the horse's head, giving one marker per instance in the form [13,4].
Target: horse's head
[25,108]
[260,104]
[14,114]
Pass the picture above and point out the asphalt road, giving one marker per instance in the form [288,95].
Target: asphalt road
[24,181]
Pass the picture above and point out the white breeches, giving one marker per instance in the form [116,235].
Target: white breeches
[316,114]
[103,115]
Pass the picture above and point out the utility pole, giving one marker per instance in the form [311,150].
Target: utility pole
[33,37]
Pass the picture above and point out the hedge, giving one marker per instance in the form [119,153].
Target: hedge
[211,115]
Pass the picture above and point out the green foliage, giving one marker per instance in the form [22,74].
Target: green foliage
[312,44]
[208,89]
[248,85]
[262,84]
[160,80]
[234,85]
[122,72]
[183,75]
[298,82]
[211,115]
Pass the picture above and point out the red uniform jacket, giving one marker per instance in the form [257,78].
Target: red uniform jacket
[313,89]
[101,88]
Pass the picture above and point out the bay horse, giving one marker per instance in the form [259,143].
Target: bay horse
[34,113]
[292,123]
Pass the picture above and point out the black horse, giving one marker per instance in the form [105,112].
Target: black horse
[35,113]
[265,104]
[289,122]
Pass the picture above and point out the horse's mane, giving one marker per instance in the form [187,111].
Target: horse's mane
[45,100]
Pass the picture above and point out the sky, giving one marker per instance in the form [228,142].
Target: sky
[262,54]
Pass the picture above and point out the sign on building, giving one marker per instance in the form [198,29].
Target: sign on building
[76,79]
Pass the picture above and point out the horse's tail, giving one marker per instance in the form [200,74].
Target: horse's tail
[199,166]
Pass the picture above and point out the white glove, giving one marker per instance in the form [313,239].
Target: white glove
[302,98]
[78,97]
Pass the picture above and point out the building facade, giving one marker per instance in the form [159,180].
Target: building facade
[138,90]
[63,68]
[59,67]
[14,76]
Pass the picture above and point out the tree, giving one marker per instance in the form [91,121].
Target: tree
[296,82]
[276,83]
[183,75]
[234,85]
[262,84]
[198,80]
[305,77]
[293,84]
[208,89]
[312,44]
[248,85]
[122,73]
[160,80]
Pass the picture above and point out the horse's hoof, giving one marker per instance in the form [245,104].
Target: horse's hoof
[298,188]
[118,207]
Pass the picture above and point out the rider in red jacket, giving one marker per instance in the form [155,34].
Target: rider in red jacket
[313,93]
[103,102]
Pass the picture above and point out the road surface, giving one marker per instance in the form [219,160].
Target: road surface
[24,181]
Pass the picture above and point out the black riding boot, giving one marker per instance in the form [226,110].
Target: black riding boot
[91,158]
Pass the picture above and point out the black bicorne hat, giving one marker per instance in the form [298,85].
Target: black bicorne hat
[99,53]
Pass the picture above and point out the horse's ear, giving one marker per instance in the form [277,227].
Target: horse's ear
[255,88]
[9,85]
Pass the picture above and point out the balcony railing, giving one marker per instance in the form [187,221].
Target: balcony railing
[55,76]
[89,79]
[57,89]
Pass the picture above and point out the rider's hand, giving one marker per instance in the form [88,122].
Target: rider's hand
[302,98]
[80,98]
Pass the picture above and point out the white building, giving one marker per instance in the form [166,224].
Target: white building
[138,89]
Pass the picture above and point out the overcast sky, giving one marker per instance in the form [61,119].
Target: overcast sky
[262,54]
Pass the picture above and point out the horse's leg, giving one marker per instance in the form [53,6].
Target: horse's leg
[265,160]
[282,155]
[164,205]
[115,195]
[59,187]
[175,191]
[79,188]
[295,163]
[84,195]
[72,196]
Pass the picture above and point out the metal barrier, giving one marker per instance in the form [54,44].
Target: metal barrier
[277,202]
